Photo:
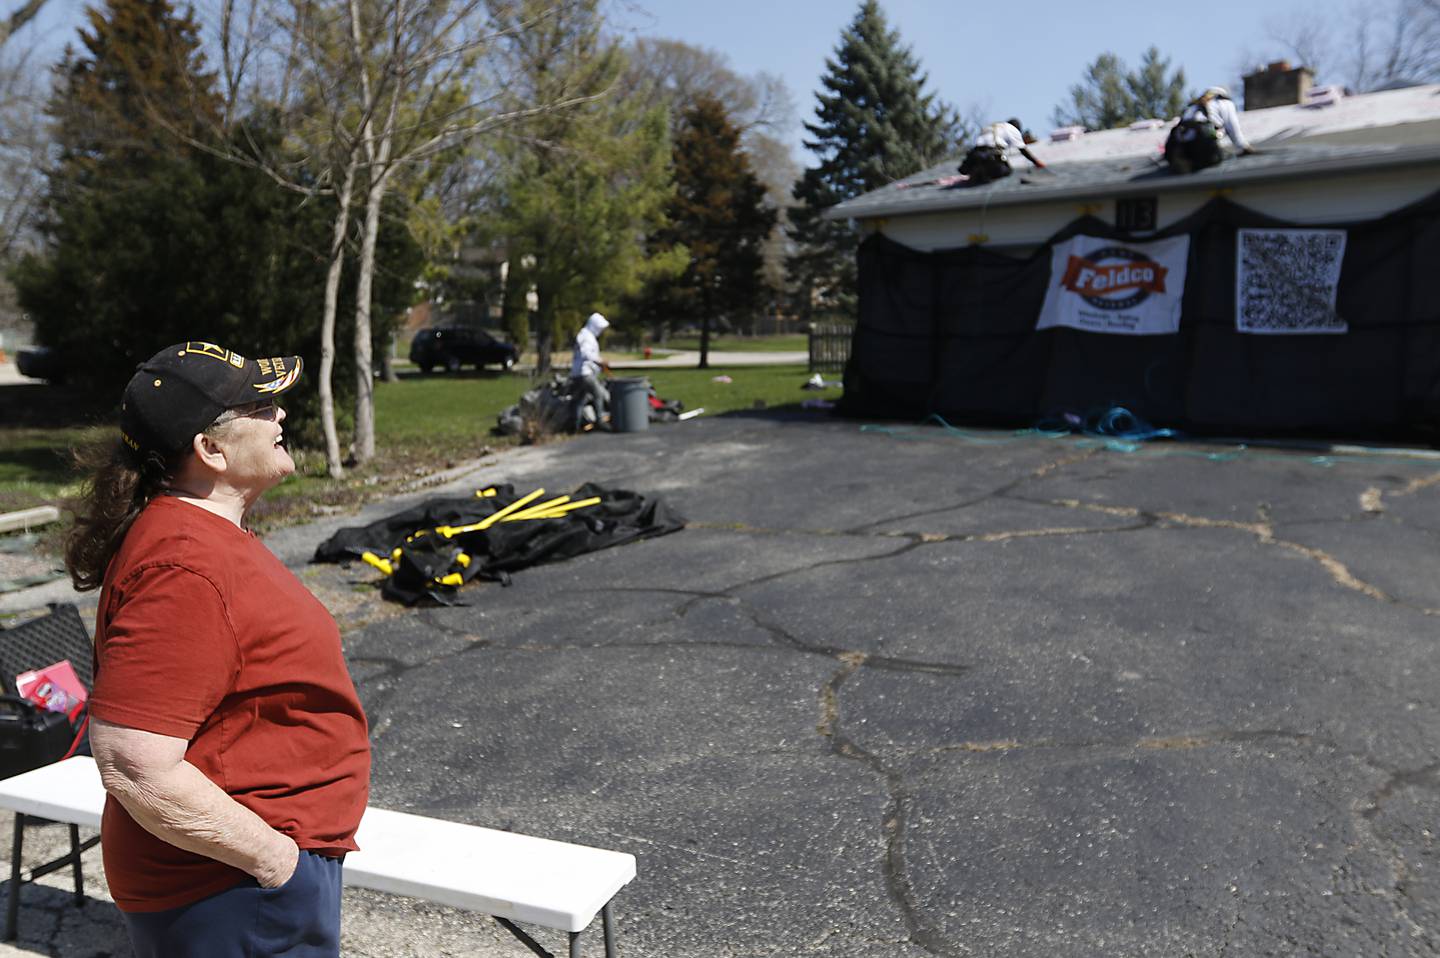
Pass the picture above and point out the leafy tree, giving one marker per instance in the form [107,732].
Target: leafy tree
[581,186]
[1110,95]
[874,123]
[719,214]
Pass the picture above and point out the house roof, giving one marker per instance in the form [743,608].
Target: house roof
[1373,131]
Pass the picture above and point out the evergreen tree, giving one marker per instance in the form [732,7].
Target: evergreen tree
[874,124]
[1154,91]
[720,216]
[141,81]
[1110,95]
[1099,101]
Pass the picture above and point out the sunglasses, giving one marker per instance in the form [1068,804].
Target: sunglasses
[266,410]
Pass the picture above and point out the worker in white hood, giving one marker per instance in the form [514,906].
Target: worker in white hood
[1194,142]
[586,367]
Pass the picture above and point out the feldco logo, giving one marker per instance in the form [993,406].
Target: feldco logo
[1114,277]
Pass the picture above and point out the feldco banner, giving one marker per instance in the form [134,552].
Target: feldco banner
[1107,286]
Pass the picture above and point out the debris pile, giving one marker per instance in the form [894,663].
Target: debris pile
[554,408]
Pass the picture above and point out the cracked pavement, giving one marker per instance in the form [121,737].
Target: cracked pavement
[905,695]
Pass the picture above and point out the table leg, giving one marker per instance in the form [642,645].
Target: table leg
[574,944]
[75,866]
[12,906]
[610,950]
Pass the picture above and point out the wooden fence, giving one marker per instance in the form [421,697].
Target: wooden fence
[829,348]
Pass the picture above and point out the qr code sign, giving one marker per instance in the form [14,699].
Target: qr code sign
[1285,281]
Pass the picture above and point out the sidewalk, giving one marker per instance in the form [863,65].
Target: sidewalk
[10,376]
[716,359]
[691,358]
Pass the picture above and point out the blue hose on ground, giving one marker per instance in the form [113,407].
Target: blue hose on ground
[1121,421]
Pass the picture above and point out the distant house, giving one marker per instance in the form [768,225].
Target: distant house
[1297,289]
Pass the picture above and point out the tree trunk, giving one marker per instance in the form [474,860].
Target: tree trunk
[545,332]
[379,168]
[364,362]
[515,305]
[705,331]
[327,320]
[387,367]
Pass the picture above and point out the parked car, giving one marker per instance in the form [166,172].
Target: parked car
[451,347]
[39,362]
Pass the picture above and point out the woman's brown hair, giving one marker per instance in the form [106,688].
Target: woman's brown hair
[120,484]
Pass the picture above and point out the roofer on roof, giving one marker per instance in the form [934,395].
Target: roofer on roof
[1194,142]
[989,158]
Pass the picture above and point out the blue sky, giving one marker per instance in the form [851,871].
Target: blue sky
[1002,58]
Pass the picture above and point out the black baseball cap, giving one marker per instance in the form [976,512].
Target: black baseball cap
[182,389]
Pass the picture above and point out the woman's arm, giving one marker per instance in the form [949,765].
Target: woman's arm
[172,800]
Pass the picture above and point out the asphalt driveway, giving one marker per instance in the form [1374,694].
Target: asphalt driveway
[908,693]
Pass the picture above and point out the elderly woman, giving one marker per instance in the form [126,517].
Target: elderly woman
[226,727]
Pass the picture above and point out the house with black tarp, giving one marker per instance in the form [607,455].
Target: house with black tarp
[1293,290]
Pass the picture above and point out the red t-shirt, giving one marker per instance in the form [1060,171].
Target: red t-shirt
[202,634]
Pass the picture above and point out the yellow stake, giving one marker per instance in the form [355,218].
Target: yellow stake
[547,511]
[451,531]
[382,564]
[542,507]
[570,506]
[515,506]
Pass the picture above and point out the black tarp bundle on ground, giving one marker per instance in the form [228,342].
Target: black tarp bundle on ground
[953,333]
[507,546]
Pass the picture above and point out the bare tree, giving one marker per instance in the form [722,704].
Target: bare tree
[1364,46]
[421,97]
[1401,47]
[367,92]
[17,19]
[24,142]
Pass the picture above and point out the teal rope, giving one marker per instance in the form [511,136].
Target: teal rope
[922,432]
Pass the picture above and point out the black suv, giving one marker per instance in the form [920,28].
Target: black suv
[454,346]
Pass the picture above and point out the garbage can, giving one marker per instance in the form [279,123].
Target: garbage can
[630,404]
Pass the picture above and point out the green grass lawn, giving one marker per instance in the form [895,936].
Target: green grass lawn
[452,416]
[771,386]
[423,424]
[35,465]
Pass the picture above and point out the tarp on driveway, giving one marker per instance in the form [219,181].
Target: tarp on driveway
[428,556]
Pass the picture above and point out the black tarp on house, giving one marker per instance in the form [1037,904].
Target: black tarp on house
[953,333]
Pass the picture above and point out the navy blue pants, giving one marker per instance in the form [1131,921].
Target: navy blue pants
[300,919]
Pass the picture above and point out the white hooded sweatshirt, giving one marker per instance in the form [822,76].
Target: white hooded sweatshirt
[586,359]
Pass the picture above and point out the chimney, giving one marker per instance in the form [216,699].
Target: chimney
[1278,84]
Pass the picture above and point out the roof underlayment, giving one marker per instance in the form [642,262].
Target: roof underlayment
[1390,130]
